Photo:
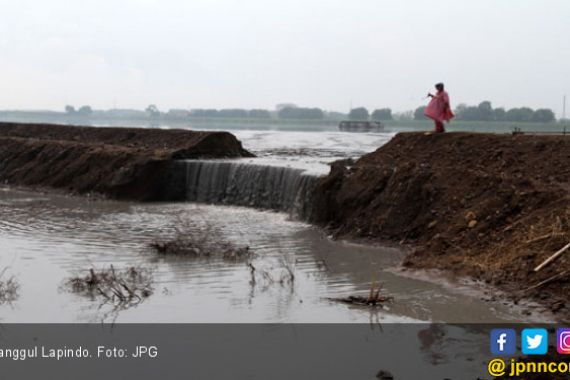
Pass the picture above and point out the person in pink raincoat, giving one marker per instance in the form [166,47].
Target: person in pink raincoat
[438,108]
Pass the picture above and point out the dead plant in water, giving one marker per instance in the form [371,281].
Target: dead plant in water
[289,269]
[373,299]
[8,289]
[121,288]
[193,242]
[231,252]
[283,274]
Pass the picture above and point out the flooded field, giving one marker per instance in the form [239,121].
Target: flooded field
[48,238]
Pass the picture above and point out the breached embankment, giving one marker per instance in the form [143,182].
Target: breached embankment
[489,206]
[121,163]
[234,182]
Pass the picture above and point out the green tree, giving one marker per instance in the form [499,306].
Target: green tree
[523,114]
[485,111]
[85,111]
[460,110]
[301,113]
[404,116]
[152,111]
[70,110]
[468,113]
[382,114]
[358,114]
[233,113]
[204,113]
[419,113]
[337,116]
[499,114]
[543,115]
[259,114]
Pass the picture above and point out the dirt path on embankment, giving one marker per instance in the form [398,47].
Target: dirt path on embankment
[488,206]
[121,163]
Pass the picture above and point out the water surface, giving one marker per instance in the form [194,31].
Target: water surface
[47,238]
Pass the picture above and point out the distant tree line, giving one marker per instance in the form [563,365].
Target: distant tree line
[231,113]
[301,113]
[482,112]
[286,113]
[485,112]
[362,114]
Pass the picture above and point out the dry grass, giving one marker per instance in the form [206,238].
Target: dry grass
[532,239]
[121,288]
[549,232]
[539,238]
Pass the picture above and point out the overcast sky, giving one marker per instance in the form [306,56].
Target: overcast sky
[257,53]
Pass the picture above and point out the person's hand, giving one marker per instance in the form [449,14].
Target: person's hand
[430,95]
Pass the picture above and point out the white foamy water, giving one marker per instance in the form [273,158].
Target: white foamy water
[310,151]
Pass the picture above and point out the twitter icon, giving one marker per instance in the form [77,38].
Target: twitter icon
[534,341]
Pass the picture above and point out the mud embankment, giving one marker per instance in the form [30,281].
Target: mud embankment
[121,163]
[489,206]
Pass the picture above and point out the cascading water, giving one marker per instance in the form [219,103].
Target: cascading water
[244,184]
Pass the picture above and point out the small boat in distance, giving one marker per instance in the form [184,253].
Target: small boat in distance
[361,126]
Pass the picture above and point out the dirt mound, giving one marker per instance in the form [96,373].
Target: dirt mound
[123,163]
[177,143]
[490,206]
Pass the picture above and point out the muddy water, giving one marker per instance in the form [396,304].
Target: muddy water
[46,238]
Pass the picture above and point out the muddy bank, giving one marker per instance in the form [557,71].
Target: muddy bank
[489,206]
[121,163]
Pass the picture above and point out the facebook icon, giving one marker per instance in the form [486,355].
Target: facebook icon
[503,342]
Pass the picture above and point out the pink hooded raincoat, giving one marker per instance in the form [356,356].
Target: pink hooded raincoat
[438,108]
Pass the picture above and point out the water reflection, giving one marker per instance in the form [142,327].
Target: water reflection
[47,238]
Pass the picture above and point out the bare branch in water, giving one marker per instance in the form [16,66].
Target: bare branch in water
[200,242]
[9,289]
[122,289]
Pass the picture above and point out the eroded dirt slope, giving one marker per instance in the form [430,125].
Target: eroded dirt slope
[490,206]
[122,163]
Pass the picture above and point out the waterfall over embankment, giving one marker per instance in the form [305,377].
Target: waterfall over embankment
[244,184]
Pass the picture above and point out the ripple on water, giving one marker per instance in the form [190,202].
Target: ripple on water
[47,239]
